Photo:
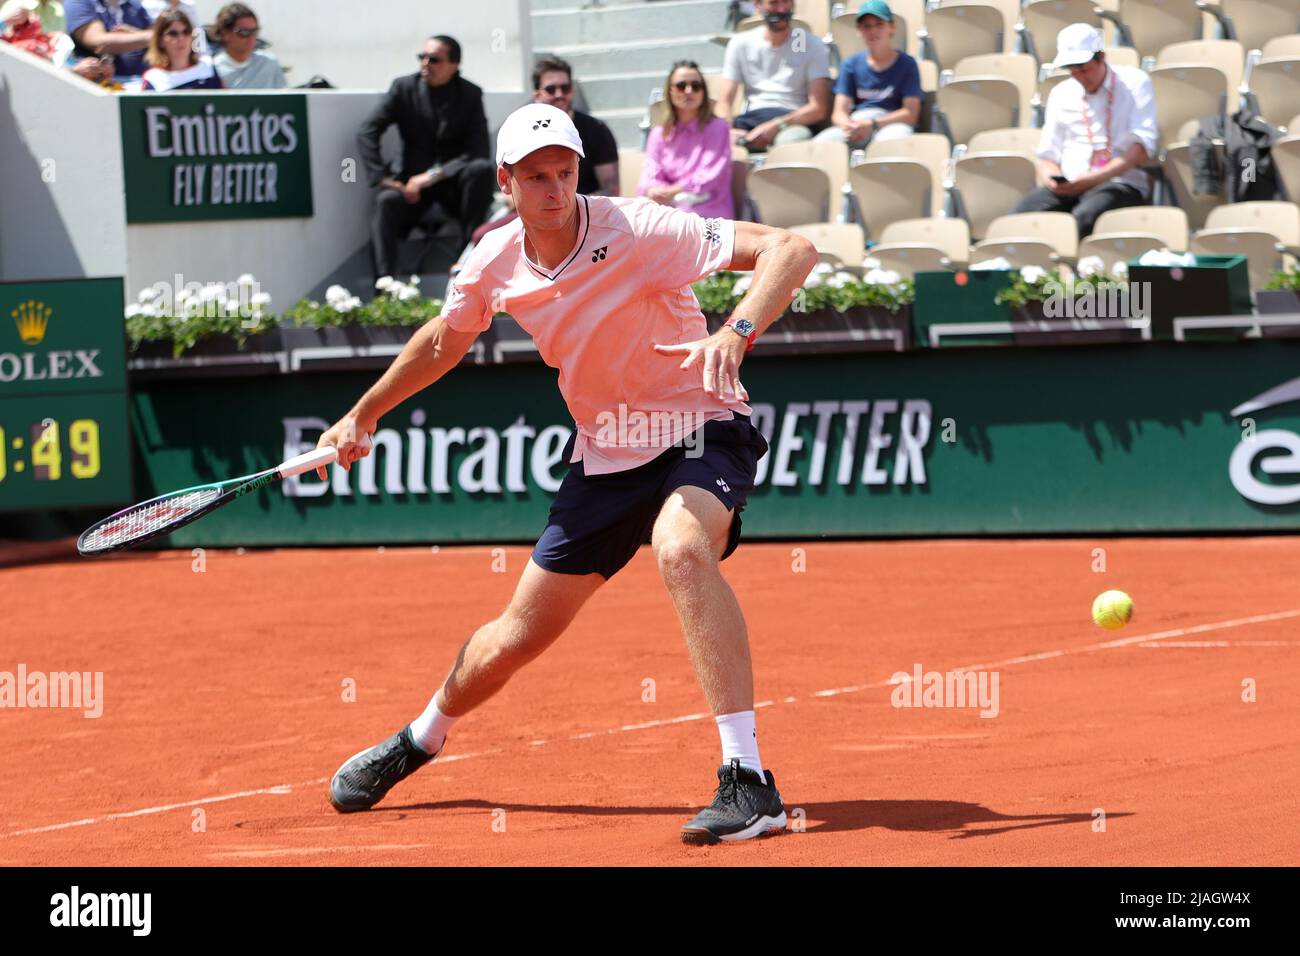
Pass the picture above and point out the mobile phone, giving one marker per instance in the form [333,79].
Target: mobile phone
[1058,178]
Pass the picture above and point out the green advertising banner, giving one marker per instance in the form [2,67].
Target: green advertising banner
[1138,438]
[192,156]
[63,409]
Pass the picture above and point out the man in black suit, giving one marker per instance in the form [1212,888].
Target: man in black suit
[446,170]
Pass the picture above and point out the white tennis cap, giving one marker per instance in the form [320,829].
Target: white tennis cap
[1077,44]
[534,127]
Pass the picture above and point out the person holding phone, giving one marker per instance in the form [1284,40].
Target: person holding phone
[1099,129]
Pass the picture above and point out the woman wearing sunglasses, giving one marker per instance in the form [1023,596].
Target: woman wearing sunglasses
[688,157]
[173,63]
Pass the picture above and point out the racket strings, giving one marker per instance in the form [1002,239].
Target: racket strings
[144,520]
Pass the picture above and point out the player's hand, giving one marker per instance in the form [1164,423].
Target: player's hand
[352,439]
[722,352]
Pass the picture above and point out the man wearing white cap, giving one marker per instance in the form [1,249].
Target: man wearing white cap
[1099,128]
[603,286]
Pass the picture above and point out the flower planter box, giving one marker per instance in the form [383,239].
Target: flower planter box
[859,329]
[1079,332]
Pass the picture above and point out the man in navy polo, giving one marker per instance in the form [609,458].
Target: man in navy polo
[118,28]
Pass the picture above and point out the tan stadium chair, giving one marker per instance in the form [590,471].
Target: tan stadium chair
[929,71]
[1227,55]
[847,39]
[1276,85]
[1049,83]
[1122,56]
[831,158]
[910,246]
[1154,24]
[1257,21]
[956,32]
[970,104]
[1267,233]
[1016,139]
[817,14]
[1184,93]
[790,195]
[1010,10]
[630,162]
[739,177]
[1044,19]
[1286,160]
[1118,248]
[1178,171]
[1165,223]
[1288,45]
[1044,239]
[930,149]
[990,185]
[1019,68]
[840,242]
[889,190]
[713,83]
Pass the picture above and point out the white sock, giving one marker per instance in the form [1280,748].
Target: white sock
[430,729]
[740,740]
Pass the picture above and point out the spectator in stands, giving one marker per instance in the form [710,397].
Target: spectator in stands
[1096,133]
[785,74]
[878,92]
[445,166]
[688,158]
[22,28]
[173,63]
[156,8]
[241,65]
[117,28]
[598,169]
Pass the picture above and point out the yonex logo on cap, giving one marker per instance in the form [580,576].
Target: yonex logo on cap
[541,124]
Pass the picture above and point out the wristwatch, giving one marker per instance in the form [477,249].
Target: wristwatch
[744,328]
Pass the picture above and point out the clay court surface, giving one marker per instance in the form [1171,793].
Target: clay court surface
[223,691]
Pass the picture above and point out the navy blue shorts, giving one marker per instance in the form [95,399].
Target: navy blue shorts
[597,524]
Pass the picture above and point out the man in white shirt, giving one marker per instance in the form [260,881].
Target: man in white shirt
[1098,130]
[785,73]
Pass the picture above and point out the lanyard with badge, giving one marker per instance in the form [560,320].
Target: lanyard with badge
[1100,157]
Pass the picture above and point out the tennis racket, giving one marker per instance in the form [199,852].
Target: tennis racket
[162,515]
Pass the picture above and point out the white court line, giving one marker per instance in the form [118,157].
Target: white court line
[1145,640]
[1177,644]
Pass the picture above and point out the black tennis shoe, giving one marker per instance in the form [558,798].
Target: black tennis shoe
[366,778]
[745,805]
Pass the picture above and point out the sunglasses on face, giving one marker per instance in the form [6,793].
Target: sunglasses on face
[247,33]
[430,57]
[688,86]
[178,33]
[558,89]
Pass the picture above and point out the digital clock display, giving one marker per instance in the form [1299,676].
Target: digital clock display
[63,451]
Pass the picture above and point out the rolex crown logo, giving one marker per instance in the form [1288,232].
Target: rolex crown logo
[32,317]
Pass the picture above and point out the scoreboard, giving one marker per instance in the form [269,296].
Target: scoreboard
[64,437]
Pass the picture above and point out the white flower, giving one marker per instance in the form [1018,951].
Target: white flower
[1120,269]
[261,298]
[232,306]
[213,291]
[336,293]
[1032,274]
[840,279]
[150,294]
[870,262]
[246,279]
[150,310]
[815,280]
[133,310]
[882,277]
[742,285]
[1091,265]
[408,292]
[383,283]
[342,305]
[415,280]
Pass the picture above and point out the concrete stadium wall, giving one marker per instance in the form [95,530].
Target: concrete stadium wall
[61,213]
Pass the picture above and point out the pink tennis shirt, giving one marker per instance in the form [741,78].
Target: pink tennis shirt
[597,316]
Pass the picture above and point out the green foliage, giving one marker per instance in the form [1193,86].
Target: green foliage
[825,289]
[1288,279]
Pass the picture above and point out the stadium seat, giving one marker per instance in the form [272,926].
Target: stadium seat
[1010,10]
[1276,84]
[831,158]
[1154,24]
[1286,160]
[1122,56]
[1016,139]
[630,162]
[1227,55]
[1185,93]
[1045,239]
[952,33]
[1256,21]
[739,178]
[1123,234]
[842,242]
[907,16]
[1267,233]
[888,190]
[817,14]
[990,184]
[790,195]
[1019,68]
[1177,168]
[1044,19]
[970,104]
[1288,45]
[910,246]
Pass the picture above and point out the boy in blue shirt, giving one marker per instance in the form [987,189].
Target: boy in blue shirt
[878,92]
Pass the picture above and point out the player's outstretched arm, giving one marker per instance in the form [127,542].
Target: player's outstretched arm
[781,262]
[433,351]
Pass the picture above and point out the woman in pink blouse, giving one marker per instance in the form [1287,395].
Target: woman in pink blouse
[688,158]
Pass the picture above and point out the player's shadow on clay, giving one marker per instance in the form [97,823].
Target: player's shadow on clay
[961,820]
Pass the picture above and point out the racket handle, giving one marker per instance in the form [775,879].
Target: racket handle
[310,461]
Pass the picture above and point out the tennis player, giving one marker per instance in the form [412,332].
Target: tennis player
[603,286]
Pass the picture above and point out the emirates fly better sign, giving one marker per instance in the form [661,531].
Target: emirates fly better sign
[192,156]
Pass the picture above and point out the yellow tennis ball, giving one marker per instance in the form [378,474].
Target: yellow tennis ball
[1112,610]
